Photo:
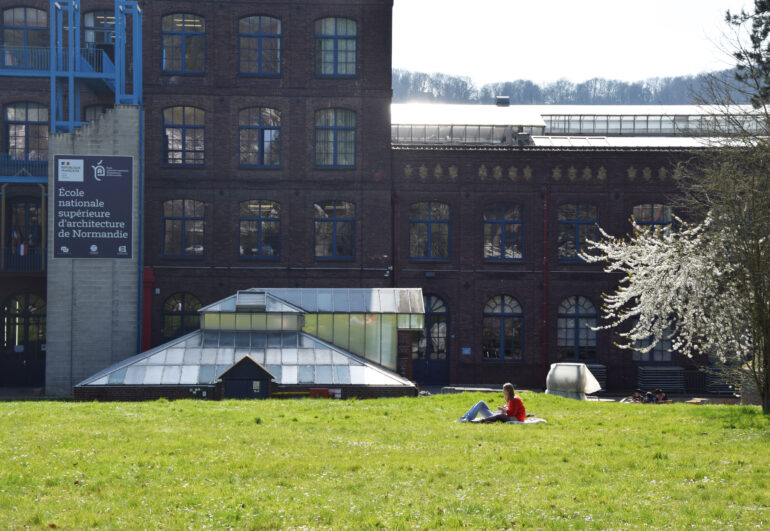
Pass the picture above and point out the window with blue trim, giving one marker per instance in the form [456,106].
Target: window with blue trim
[433,344]
[652,216]
[260,229]
[660,353]
[99,29]
[183,226]
[259,45]
[577,224]
[335,229]
[501,332]
[504,233]
[184,43]
[24,40]
[183,131]
[259,137]
[180,315]
[27,131]
[335,47]
[574,338]
[429,231]
[335,138]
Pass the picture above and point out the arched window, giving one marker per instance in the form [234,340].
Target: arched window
[23,319]
[183,131]
[183,228]
[429,231]
[25,38]
[433,344]
[259,44]
[260,229]
[652,215]
[180,315]
[577,224]
[504,233]
[27,131]
[335,47]
[502,327]
[575,338]
[259,137]
[335,229]
[184,43]
[335,138]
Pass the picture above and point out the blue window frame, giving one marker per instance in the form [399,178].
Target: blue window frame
[260,229]
[335,230]
[652,215]
[99,29]
[183,131]
[501,332]
[660,353]
[184,43]
[335,47]
[504,233]
[335,138]
[259,137]
[24,40]
[575,339]
[577,224]
[27,131]
[433,345]
[180,315]
[183,228]
[259,45]
[429,231]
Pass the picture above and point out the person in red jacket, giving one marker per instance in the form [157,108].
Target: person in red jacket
[512,410]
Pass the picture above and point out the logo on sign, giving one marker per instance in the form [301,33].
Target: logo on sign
[71,170]
[64,249]
[99,171]
[122,249]
[94,249]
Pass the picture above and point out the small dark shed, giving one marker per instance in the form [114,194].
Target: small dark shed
[246,379]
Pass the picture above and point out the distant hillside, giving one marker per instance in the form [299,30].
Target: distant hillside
[418,86]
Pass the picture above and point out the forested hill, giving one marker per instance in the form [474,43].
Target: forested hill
[418,86]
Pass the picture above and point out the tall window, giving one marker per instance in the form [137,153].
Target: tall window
[575,339]
[335,47]
[577,224]
[183,224]
[429,231]
[335,231]
[27,131]
[433,344]
[25,38]
[24,228]
[183,131]
[504,233]
[661,352]
[180,315]
[23,322]
[99,28]
[259,41]
[335,138]
[184,43]
[260,229]
[501,332]
[259,136]
[652,215]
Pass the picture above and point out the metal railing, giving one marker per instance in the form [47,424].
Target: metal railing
[22,260]
[12,167]
[34,58]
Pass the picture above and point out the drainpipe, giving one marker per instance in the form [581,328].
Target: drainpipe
[544,310]
[394,202]
[2,226]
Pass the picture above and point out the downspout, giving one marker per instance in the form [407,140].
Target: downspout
[140,258]
[394,202]
[544,310]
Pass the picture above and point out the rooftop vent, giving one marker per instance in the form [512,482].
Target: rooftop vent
[502,101]
[250,300]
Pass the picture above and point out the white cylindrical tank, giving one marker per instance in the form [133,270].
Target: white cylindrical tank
[572,380]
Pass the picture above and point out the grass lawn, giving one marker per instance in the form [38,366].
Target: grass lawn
[387,463]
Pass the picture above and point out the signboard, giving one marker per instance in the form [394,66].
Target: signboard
[92,206]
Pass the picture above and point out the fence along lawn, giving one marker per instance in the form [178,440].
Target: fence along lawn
[388,463]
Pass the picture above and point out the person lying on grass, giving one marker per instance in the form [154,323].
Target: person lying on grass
[512,410]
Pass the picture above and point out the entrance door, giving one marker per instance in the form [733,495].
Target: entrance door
[22,342]
[430,354]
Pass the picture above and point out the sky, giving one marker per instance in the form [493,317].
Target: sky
[546,40]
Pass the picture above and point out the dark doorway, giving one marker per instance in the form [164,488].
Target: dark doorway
[22,343]
[430,353]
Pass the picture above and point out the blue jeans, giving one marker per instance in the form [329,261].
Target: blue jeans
[481,408]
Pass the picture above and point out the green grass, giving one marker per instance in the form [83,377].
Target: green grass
[388,463]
